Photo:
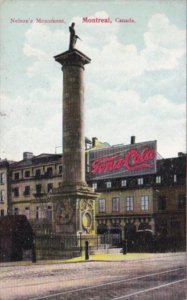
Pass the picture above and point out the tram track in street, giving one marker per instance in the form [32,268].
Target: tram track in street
[128,279]
[108,283]
[80,293]
[149,290]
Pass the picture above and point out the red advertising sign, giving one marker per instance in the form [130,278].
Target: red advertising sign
[121,160]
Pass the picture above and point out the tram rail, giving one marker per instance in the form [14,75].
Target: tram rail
[61,295]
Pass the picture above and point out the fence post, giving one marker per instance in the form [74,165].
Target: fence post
[34,249]
[104,241]
[86,250]
[125,247]
[80,241]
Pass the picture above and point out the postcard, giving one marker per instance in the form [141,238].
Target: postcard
[105,78]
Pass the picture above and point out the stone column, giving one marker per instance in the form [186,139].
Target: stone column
[74,202]
[73,116]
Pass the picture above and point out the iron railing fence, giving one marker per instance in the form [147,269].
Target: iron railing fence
[55,246]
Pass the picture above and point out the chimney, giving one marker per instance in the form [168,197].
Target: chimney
[94,141]
[181,154]
[27,155]
[133,139]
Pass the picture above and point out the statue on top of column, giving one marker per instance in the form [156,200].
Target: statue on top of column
[73,37]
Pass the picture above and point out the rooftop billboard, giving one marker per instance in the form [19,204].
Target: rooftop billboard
[123,160]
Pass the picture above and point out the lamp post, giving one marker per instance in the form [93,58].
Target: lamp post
[80,241]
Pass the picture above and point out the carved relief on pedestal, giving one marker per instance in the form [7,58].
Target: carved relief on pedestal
[64,212]
[87,214]
[87,221]
[86,204]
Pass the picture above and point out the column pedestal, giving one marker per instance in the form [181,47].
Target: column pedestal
[74,211]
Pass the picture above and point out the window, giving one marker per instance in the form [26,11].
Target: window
[140,181]
[102,207]
[161,203]
[124,182]
[129,203]
[115,204]
[2,196]
[144,203]
[158,179]
[16,211]
[49,212]
[27,190]
[108,184]
[16,176]
[27,212]
[60,170]
[16,192]
[2,178]
[49,171]
[59,184]
[181,201]
[38,188]
[175,223]
[49,187]
[2,213]
[39,213]
[27,174]
[174,178]
[94,186]
[38,173]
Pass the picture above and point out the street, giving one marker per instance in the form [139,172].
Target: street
[163,276]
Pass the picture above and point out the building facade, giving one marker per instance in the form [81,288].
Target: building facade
[32,181]
[155,202]
[4,187]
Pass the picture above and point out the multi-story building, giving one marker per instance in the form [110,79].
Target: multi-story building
[4,187]
[154,201]
[170,197]
[32,181]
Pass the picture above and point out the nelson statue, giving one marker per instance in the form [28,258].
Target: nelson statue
[73,37]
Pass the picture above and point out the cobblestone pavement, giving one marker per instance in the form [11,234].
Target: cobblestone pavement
[109,280]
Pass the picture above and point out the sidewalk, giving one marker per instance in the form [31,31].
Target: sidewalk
[97,257]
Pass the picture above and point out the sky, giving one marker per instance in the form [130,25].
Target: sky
[134,85]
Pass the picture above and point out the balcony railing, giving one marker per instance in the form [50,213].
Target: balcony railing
[26,193]
[38,194]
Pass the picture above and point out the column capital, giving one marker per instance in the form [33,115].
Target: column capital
[73,57]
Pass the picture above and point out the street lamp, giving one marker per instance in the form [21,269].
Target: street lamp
[80,241]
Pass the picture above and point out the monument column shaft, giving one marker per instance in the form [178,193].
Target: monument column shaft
[74,210]
[73,62]
[73,124]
